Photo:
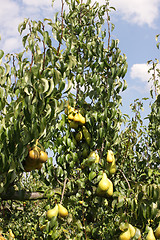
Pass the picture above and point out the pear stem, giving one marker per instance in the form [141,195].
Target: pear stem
[64,186]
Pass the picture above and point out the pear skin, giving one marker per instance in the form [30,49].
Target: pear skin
[150,235]
[110,156]
[125,235]
[87,135]
[110,189]
[157,231]
[52,212]
[62,211]
[132,230]
[104,183]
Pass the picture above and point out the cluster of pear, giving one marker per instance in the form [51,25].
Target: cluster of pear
[76,120]
[105,186]
[36,157]
[57,210]
[129,232]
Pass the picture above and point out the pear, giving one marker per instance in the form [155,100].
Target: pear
[104,183]
[52,212]
[94,155]
[79,136]
[112,167]
[73,124]
[150,235]
[79,118]
[110,189]
[125,235]
[71,113]
[110,156]
[132,230]
[62,211]
[87,135]
[157,232]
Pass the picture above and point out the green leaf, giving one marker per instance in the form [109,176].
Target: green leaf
[1,53]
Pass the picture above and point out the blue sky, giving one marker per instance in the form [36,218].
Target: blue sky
[136,24]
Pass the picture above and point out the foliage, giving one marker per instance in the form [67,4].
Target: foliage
[39,88]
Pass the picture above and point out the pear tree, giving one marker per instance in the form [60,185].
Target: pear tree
[68,169]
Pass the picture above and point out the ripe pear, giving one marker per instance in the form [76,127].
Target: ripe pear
[125,235]
[132,230]
[87,135]
[52,212]
[104,183]
[150,235]
[157,232]
[112,167]
[79,118]
[62,211]
[110,189]
[110,156]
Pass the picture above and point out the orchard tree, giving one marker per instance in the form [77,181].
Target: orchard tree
[62,94]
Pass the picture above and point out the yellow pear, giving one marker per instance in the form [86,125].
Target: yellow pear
[150,235]
[132,230]
[110,189]
[112,167]
[157,232]
[125,235]
[110,156]
[79,118]
[87,135]
[104,183]
[52,212]
[62,211]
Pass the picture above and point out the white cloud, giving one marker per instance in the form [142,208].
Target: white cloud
[12,44]
[140,71]
[38,3]
[139,12]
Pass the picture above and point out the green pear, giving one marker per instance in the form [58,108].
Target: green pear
[125,235]
[104,183]
[79,136]
[157,232]
[62,211]
[132,230]
[150,235]
[94,156]
[52,212]
[87,135]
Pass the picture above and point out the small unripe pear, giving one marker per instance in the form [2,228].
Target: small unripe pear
[62,211]
[52,212]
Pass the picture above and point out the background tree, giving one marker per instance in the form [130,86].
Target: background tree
[64,94]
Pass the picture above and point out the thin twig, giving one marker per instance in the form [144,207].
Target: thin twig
[44,57]
[64,186]
[61,28]
[109,31]
[125,178]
